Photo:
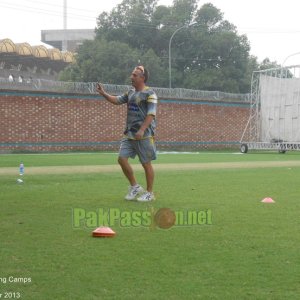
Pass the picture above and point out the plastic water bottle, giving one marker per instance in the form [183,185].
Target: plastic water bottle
[21,169]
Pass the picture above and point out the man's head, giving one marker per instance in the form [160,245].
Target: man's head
[139,77]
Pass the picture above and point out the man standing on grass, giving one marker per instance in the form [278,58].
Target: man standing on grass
[139,133]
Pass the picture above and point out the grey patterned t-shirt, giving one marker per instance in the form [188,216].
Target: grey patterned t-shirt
[139,105]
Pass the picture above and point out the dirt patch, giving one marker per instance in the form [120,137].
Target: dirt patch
[158,167]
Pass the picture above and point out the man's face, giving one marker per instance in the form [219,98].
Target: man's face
[137,77]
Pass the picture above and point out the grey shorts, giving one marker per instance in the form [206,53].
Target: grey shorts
[145,149]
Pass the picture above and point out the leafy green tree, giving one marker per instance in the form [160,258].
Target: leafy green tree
[130,22]
[109,62]
[112,62]
[219,55]
[207,54]
[158,72]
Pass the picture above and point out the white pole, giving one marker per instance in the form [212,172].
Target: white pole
[64,42]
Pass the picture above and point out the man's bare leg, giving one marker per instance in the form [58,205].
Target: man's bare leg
[127,170]
[149,172]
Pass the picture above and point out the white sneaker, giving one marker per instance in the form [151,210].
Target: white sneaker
[147,196]
[133,192]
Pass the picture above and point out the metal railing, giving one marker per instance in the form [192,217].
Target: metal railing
[44,85]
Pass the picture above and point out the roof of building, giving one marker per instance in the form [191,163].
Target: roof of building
[8,47]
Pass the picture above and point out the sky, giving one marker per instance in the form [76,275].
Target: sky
[272,27]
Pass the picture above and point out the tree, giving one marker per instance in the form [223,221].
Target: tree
[109,62]
[130,22]
[219,55]
[209,55]
[112,62]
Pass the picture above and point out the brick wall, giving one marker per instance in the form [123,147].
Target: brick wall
[31,121]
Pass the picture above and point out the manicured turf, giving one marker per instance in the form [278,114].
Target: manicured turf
[77,159]
[250,251]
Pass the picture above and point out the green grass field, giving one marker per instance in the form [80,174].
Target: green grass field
[250,251]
